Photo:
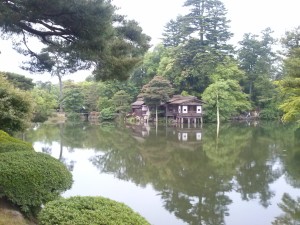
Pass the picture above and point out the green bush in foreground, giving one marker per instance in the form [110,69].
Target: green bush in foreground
[11,144]
[14,147]
[30,179]
[89,211]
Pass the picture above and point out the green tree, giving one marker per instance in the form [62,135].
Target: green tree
[290,86]
[258,59]
[74,98]
[121,101]
[89,32]
[203,33]
[15,107]
[149,68]
[19,81]
[156,92]
[44,104]
[224,97]
[58,64]
[172,35]
[91,92]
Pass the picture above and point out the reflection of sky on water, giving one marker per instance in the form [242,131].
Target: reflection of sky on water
[88,181]
[252,213]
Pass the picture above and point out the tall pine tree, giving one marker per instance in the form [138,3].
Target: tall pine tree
[204,33]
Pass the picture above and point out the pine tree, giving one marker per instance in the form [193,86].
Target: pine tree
[204,33]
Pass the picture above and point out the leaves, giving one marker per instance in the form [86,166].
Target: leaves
[157,91]
[15,107]
[89,210]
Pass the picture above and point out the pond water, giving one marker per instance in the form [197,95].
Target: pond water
[248,174]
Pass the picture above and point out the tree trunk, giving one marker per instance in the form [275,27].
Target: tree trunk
[61,141]
[60,93]
[218,116]
[250,90]
[156,117]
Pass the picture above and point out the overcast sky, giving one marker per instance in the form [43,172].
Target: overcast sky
[247,16]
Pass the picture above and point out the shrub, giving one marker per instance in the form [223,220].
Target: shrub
[87,210]
[11,144]
[30,179]
[107,114]
[14,147]
[15,107]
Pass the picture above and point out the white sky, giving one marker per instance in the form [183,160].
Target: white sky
[247,16]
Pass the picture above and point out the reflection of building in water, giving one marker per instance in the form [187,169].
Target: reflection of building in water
[184,136]
[139,131]
[186,133]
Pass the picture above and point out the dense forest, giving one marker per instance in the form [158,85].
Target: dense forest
[259,73]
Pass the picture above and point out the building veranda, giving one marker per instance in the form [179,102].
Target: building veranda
[180,109]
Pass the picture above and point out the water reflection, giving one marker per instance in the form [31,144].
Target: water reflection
[291,211]
[200,177]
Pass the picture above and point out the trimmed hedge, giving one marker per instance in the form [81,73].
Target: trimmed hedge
[87,210]
[11,144]
[14,147]
[30,179]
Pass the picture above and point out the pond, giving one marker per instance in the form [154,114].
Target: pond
[247,174]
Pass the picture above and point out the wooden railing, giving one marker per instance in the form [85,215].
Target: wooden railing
[188,114]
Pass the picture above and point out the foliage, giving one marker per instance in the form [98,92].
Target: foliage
[157,91]
[270,113]
[103,103]
[88,32]
[44,104]
[227,96]
[19,81]
[224,97]
[91,92]
[30,179]
[108,114]
[11,144]
[258,60]
[89,210]
[290,86]
[149,68]
[15,107]
[199,44]
[73,98]
[14,147]
[121,101]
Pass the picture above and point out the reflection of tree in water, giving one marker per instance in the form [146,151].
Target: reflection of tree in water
[268,146]
[256,172]
[190,186]
[292,160]
[47,150]
[291,210]
[192,177]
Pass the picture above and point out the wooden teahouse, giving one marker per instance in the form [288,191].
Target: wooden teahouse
[140,110]
[184,109]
